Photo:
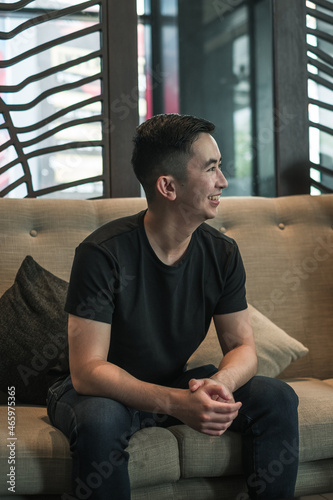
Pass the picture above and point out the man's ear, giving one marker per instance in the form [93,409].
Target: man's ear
[165,185]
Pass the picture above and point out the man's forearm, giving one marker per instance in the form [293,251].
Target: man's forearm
[237,367]
[105,379]
[200,410]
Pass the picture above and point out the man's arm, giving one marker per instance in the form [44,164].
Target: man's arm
[93,375]
[239,363]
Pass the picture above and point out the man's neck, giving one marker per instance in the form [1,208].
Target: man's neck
[168,237]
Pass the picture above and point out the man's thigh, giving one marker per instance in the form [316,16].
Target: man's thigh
[263,397]
[69,411]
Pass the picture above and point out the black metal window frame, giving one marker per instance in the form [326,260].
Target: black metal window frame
[118,84]
[324,63]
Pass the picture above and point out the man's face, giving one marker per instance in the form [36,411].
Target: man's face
[199,195]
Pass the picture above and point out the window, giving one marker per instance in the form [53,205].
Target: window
[320,91]
[213,59]
[67,111]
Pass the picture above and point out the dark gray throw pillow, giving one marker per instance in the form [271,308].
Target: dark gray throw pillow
[33,333]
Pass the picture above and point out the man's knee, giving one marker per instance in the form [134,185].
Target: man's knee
[104,420]
[270,395]
[281,394]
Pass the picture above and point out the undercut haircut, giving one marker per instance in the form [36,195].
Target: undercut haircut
[162,146]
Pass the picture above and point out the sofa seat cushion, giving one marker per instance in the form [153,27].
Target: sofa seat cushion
[154,457]
[207,456]
[42,457]
[315,418]
[43,462]
[329,381]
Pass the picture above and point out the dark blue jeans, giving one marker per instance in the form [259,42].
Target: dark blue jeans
[99,430]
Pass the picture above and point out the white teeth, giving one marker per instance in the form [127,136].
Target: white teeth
[214,198]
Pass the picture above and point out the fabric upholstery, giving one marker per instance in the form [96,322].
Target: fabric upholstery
[147,464]
[43,461]
[33,333]
[287,248]
[207,456]
[315,477]
[275,348]
[315,418]
[49,230]
[230,487]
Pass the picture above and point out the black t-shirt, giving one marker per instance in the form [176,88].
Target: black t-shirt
[159,313]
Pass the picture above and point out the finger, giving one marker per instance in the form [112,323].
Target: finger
[224,394]
[194,384]
[225,408]
[213,432]
[217,390]
[216,429]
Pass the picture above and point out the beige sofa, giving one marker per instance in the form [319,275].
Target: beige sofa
[287,247]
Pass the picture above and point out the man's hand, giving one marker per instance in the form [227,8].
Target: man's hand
[222,393]
[207,407]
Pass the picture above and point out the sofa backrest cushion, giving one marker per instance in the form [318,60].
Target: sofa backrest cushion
[287,248]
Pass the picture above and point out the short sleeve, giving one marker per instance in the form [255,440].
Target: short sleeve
[233,297]
[92,284]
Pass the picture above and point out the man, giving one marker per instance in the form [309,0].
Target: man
[142,294]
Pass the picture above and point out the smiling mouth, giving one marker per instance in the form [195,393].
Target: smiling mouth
[214,198]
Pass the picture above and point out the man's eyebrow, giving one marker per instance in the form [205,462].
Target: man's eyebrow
[212,160]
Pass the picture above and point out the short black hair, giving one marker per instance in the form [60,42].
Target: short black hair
[162,146]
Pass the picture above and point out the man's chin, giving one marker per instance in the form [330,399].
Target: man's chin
[212,213]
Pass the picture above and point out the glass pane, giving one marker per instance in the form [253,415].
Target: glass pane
[195,58]
[18,192]
[4,136]
[43,33]
[145,83]
[84,191]
[7,156]
[169,7]
[11,175]
[214,63]
[50,58]
[143,7]
[56,4]
[65,166]
[170,69]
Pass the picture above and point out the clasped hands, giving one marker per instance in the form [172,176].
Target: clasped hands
[208,407]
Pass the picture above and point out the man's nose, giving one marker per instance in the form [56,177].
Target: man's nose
[223,183]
